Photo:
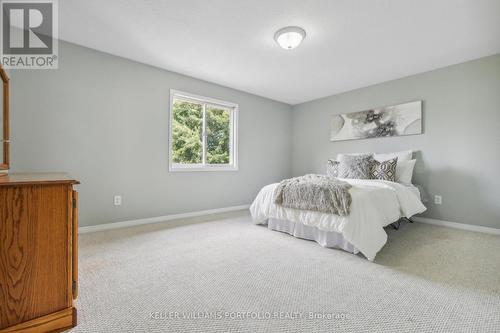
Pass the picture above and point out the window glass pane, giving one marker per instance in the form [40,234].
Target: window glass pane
[218,135]
[187,127]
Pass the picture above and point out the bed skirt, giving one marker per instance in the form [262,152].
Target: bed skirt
[328,239]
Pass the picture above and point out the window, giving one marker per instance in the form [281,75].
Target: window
[203,133]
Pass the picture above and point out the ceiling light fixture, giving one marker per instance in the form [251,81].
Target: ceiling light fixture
[290,37]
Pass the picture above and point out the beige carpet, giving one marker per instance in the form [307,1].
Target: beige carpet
[233,276]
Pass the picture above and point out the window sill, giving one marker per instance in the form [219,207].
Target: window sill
[173,168]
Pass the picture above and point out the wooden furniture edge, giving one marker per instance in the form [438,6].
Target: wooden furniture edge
[47,182]
[40,178]
[54,322]
[74,252]
[5,114]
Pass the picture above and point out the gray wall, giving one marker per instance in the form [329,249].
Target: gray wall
[459,153]
[104,119]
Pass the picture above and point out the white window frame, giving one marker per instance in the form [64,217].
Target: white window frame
[233,139]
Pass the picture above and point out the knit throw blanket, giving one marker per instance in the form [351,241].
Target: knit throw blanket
[315,192]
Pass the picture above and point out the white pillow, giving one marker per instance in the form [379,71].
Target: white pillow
[401,155]
[404,171]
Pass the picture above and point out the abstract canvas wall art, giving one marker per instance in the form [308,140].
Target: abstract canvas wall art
[396,120]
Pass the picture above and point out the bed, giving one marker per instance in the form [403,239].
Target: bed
[375,205]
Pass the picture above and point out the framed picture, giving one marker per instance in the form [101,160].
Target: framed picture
[396,120]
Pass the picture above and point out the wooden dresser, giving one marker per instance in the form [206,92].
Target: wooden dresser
[38,252]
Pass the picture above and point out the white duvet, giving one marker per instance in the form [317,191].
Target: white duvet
[375,204]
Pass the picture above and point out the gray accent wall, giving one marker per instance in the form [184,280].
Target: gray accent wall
[104,119]
[459,152]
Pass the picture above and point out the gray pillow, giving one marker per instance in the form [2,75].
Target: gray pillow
[332,168]
[355,166]
[385,170]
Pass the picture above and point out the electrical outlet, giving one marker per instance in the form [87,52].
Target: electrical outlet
[117,200]
[438,199]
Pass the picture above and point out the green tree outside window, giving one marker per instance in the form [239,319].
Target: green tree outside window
[188,144]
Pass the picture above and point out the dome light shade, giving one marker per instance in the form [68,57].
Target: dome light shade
[290,37]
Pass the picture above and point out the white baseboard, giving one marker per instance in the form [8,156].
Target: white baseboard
[158,219]
[469,227]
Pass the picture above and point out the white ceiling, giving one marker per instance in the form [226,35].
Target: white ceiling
[349,44]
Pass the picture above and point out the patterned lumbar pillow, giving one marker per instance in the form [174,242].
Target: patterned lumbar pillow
[332,168]
[355,166]
[385,170]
